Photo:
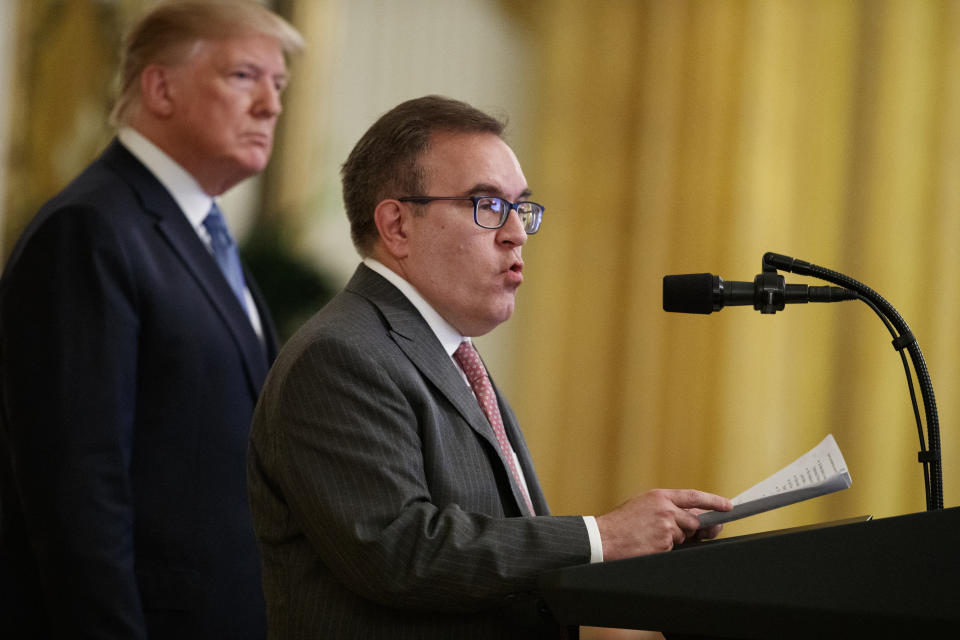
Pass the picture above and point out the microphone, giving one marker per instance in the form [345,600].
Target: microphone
[706,293]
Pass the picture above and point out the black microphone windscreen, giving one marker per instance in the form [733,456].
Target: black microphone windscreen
[688,293]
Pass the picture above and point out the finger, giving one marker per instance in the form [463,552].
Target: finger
[693,499]
[679,536]
[687,521]
[710,532]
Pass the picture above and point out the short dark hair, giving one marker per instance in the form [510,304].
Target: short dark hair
[385,162]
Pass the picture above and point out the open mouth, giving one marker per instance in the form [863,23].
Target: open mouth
[515,272]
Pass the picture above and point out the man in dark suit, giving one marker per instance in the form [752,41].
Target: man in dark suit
[392,492]
[132,350]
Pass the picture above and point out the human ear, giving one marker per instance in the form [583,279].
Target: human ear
[390,217]
[155,90]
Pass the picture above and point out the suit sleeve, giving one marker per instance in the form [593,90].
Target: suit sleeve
[69,378]
[338,435]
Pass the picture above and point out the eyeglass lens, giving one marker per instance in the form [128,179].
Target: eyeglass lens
[492,213]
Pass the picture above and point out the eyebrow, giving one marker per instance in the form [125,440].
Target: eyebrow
[260,70]
[484,188]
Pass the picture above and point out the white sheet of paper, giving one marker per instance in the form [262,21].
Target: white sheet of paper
[820,471]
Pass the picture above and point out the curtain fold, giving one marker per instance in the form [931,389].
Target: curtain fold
[671,136]
[58,111]
[682,137]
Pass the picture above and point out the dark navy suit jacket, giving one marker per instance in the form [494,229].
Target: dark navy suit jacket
[128,377]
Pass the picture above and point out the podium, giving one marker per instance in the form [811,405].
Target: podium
[891,577]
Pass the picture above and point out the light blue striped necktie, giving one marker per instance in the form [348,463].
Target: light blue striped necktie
[225,252]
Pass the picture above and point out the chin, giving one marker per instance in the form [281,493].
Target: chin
[478,327]
[499,318]
[253,161]
[253,168]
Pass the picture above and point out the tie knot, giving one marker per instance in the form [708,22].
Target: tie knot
[216,226]
[469,360]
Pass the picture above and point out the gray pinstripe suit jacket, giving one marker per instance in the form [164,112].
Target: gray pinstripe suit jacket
[380,498]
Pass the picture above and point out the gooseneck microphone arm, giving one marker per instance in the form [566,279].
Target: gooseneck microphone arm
[903,339]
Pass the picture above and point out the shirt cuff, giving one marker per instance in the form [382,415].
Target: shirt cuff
[596,545]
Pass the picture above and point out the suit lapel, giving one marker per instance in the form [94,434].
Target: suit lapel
[175,229]
[418,342]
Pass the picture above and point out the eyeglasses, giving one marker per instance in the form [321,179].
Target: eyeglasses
[490,212]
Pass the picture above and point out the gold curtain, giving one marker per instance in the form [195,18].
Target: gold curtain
[678,136]
[67,54]
[290,190]
[64,86]
[673,136]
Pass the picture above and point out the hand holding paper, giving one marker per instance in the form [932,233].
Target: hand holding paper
[820,471]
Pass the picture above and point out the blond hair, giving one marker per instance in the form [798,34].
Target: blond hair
[166,35]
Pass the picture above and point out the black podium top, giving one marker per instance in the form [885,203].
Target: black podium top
[882,577]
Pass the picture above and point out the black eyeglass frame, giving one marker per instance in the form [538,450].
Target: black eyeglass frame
[538,217]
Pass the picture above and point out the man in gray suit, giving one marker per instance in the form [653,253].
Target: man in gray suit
[392,492]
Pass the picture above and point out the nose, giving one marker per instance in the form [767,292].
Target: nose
[512,231]
[268,102]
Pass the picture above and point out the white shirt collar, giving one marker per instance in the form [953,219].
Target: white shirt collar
[449,337]
[186,191]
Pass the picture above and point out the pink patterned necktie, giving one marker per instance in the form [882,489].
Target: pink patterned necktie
[469,360]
